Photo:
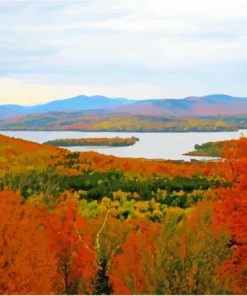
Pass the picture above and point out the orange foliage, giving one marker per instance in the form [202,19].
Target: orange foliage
[27,264]
[42,253]
[230,214]
[20,155]
[132,271]
[145,167]
[47,253]
[77,264]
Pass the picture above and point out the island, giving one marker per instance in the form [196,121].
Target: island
[112,142]
[212,149]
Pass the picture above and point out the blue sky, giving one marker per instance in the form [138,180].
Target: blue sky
[122,48]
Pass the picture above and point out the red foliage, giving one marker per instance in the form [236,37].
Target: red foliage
[230,214]
[27,264]
[42,253]
[130,269]
[76,257]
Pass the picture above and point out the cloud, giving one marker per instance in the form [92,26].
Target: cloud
[23,93]
[169,48]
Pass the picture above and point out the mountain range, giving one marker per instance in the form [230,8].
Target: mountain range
[78,103]
[211,105]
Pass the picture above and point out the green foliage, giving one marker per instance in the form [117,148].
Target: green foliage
[213,149]
[94,186]
[34,182]
[172,192]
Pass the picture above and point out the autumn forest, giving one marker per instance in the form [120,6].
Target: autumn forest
[86,223]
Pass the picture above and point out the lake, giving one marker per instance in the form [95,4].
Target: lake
[151,145]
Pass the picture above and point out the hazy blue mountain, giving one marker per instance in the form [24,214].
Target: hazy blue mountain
[7,111]
[78,103]
[216,104]
[81,103]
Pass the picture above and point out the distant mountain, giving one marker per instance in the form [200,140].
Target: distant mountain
[79,103]
[7,111]
[211,105]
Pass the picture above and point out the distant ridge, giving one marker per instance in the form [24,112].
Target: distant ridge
[210,105]
[78,103]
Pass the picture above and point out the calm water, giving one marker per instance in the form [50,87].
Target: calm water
[151,145]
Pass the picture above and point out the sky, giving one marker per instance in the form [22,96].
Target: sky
[121,48]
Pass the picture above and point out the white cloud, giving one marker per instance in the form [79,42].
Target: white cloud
[23,93]
[123,47]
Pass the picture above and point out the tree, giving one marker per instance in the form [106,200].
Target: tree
[70,239]
[27,264]
[230,212]
[133,267]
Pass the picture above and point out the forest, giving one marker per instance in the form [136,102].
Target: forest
[118,122]
[87,223]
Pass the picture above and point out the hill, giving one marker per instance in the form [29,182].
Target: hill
[86,223]
[119,122]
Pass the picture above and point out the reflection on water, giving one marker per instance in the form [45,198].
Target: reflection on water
[151,145]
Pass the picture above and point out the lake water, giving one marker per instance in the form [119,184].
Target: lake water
[151,145]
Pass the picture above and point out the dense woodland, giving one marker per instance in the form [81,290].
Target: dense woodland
[75,223]
[88,121]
